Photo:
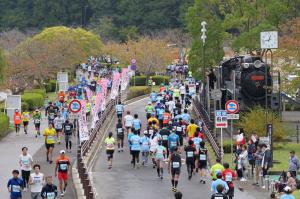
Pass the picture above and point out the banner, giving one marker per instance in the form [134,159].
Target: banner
[83,127]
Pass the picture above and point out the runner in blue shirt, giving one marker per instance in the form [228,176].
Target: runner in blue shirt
[160,112]
[119,110]
[153,96]
[15,186]
[173,141]
[185,116]
[215,183]
[135,142]
[137,124]
[145,147]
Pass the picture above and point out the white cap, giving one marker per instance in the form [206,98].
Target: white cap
[287,188]
[62,151]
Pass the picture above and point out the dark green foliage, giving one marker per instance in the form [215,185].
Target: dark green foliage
[136,91]
[34,100]
[4,123]
[38,91]
[142,80]
[50,86]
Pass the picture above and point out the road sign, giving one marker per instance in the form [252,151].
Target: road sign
[216,94]
[221,119]
[233,116]
[232,106]
[264,140]
[75,106]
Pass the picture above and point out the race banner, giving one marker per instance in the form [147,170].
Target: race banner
[89,93]
[83,128]
[115,85]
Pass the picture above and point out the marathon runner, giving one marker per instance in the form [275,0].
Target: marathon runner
[25,162]
[15,185]
[63,165]
[145,139]
[120,135]
[68,131]
[25,119]
[217,182]
[228,176]
[49,190]
[58,125]
[159,152]
[165,132]
[17,121]
[49,134]
[216,168]
[149,110]
[128,122]
[173,141]
[119,110]
[135,142]
[137,124]
[110,148]
[37,117]
[36,182]
[174,166]
[190,158]
[202,165]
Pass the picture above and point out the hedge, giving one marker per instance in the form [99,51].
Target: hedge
[33,100]
[136,91]
[39,91]
[50,86]
[142,80]
[4,123]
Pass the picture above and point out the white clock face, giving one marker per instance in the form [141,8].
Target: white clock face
[269,40]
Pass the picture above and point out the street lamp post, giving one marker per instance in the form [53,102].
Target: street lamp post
[203,38]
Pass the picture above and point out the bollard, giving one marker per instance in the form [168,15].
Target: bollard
[261,179]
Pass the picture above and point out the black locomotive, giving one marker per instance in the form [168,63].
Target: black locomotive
[251,76]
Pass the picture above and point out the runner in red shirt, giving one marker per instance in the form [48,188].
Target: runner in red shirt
[200,134]
[17,121]
[63,165]
[166,118]
[228,176]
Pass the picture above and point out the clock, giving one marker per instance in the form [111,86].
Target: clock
[269,40]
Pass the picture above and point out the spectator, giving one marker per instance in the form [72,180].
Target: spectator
[212,79]
[266,160]
[293,163]
[291,181]
[288,193]
[258,159]
[254,137]
[251,152]
[242,163]
[240,138]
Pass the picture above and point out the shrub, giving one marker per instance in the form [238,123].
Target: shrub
[50,86]
[39,91]
[33,100]
[24,106]
[138,81]
[4,123]
[136,91]
[161,79]
[227,146]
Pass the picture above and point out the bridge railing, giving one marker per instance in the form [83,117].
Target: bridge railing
[83,162]
[202,114]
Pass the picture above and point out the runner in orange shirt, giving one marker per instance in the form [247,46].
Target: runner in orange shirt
[63,165]
[17,121]
[166,118]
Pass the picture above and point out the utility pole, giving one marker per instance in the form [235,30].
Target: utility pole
[203,38]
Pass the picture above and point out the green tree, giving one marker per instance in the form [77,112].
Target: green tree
[204,10]
[2,66]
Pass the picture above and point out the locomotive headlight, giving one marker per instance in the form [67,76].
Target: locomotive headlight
[258,64]
[246,65]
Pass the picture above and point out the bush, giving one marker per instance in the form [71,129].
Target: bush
[38,91]
[227,146]
[142,80]
[50,86]
[24,106]
[4,123]
[33,100]
[138,81]
[137,91]
[161,79]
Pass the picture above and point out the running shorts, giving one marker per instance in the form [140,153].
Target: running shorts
[202,164]
[110,153]
[175,172]
[48,146]
[63,176]
[37,125]
[25,123]
[58,130]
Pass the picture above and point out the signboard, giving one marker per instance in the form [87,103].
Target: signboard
[221,119]
[233,116]
[12,103]
[75,106]
[216,94]
[63,86]
[232,106]
[264,140]
[62,77]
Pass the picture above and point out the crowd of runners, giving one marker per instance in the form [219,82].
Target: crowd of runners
[55,116]
[166,137]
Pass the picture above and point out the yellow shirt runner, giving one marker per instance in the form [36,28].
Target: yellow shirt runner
[50,135]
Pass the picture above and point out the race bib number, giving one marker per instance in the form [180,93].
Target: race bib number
[165,137]
[190,154]
[179,128]
[173,143]
[37,121]
[202,157]
[68,128]
[51,195]
[37,180]
[120,130]
[151,131]
[228,178]
[219,197]
[18,118]
[50,138]
[176,165]
[16,188]
[63,167]
[25,162]
[166,117]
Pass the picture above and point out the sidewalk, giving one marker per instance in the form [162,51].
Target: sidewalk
[11,145]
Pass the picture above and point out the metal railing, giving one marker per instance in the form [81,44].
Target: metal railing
[202,114]
[86,146]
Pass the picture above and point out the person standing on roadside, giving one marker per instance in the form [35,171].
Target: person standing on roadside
[258,159]
[266,160]
[293,163]
[36,182]
[17,121]
[15,186]
[25,162]
[62,168]
[49,191]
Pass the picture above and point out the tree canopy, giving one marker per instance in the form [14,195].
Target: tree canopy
[2,65]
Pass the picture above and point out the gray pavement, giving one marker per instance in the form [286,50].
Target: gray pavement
[125,182]
[10,148]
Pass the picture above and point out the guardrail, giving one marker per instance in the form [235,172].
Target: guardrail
[207,126]
[83,150]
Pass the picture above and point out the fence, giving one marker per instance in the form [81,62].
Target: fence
[207,127]
[82,163]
